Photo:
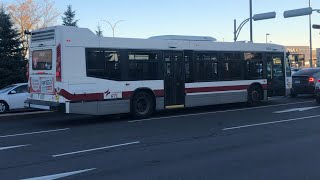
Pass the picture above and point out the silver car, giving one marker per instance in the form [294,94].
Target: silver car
[12,97]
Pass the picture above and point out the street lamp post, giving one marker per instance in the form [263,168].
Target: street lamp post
[310,34]
[303,12]
[267,37]
[251,28]
[113,27]
[256,17]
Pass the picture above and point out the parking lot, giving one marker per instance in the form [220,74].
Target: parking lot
[271,141]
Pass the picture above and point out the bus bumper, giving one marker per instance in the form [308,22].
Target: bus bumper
[44,105]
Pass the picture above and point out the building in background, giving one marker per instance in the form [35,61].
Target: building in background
[300,55]
[318,57]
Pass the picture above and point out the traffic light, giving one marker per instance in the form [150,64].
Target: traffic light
[316,26]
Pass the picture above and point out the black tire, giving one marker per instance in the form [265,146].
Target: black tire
[3,107]
[142,105]
[254,95]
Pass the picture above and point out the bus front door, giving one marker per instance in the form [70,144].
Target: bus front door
[276,75]
[174,81]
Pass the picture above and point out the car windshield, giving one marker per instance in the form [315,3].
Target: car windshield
[6,89]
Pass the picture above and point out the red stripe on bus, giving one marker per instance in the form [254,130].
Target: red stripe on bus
[129,94]
[81,97]
[216,89]
[219,88]
[264,86]
[157,93]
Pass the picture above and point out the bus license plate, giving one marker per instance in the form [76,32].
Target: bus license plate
[47,85]
[297,82]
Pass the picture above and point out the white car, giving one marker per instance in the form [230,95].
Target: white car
[12,97]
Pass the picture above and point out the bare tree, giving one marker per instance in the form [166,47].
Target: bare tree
[32,14]
[50,14]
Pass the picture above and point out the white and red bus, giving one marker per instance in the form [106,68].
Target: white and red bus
[75,71]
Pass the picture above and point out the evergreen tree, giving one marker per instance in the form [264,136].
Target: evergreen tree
[99,32]
[68,18]
[10,45]
[12,64]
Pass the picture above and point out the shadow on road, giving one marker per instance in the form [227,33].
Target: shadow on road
[59,120]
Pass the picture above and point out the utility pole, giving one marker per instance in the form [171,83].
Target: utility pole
[251,28]
[310,29]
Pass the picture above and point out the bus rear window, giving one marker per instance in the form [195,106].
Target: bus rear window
[42,60]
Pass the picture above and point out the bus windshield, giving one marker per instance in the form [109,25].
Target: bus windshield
[42,60]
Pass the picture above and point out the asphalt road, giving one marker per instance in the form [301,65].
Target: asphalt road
[278,140]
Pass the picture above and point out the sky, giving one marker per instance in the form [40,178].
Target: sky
[146,18]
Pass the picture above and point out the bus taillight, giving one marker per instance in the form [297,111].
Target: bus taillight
[58,64]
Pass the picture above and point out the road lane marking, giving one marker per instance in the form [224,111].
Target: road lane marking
[268,123]
[24,113]
[31,133]
[296,109]
[61,175]
[232,110]
[96,149]
[13,147]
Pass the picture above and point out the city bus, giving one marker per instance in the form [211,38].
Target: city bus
[73,70]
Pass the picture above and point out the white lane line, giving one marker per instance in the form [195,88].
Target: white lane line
[24,113]
[96,149]
[31,133]
[61,175]
[233,110]
[297,109]
[13,147]
[268,123]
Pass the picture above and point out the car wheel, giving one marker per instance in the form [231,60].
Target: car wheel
[254,95]
[142,105]
[3,107]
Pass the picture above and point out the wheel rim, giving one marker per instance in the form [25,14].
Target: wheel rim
[142,105]
[2,107]
[255,96]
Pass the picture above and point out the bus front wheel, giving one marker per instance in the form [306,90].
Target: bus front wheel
[142,105]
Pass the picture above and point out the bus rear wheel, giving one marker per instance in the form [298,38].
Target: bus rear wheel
[254,95]
[142,105]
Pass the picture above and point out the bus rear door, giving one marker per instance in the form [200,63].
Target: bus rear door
[276,75]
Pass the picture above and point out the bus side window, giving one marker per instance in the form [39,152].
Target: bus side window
[95,63]
[254,66]
[206,67]
[112,64]
[143,65]
[229,66]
